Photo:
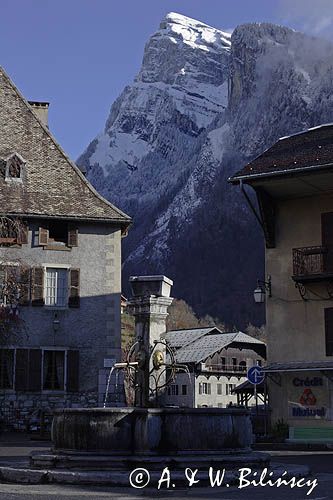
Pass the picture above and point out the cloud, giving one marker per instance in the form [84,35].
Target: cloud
[312,16]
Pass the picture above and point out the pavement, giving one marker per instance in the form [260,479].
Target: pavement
[16,448]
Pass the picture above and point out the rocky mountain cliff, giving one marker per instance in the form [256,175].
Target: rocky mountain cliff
[203,104]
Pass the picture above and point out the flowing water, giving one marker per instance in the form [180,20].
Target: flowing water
[108,387]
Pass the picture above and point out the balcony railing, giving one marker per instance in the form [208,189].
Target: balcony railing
[225,368]
[309,261]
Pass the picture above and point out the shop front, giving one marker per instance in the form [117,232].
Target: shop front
[301,395]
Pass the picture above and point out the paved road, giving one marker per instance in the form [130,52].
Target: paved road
[321,464]
[324,491]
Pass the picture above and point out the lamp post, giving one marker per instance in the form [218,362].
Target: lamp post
[262,287]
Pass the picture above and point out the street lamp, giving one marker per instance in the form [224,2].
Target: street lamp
[260,292]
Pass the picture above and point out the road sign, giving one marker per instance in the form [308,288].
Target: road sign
[256,375]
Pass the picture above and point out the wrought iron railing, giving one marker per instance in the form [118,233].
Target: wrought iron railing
[309,261]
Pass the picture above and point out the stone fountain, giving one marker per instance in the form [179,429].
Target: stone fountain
[121,439]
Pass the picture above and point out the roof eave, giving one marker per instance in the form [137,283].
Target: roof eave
[122,222]
[287,172]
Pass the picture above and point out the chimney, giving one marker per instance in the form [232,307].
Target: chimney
[41,109]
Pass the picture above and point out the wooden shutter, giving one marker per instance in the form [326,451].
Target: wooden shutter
[329,331]
[24,299]
[37,286]
[72,236]
[327,240]
[43,236]
[35,370]
[2,281]
[22,237]
[72,371]
[74,288]
[21,369]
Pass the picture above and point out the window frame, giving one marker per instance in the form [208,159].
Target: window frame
[54,350]
[58,267]
[23,162]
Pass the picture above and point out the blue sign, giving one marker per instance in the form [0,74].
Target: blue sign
[256,375]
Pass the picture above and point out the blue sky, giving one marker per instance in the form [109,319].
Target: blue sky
[79,54]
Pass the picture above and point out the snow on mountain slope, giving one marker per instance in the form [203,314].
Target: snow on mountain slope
[203,104]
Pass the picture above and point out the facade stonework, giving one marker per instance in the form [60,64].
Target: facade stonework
[67,263]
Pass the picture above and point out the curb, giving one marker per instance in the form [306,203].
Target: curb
[121,478]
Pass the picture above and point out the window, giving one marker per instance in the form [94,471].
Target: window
[14,167]
[12,231]
[219,389]
[58,235]
[184,390]
[234,362]
[223,363]
[14,286]
[229,388]
[242,366]
[329,331]
[34,370]
[54,370]
[56,287]
[6,368]
[204,388]
[173,390]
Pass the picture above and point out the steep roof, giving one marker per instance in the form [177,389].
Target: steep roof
[308,150]
[181,338]
[207,345]
[52,185]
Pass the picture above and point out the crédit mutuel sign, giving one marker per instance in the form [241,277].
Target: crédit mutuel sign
[307,395]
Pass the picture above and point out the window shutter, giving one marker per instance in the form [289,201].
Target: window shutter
[22,237]
[34,370]
[24,286]
[2,282]
[327,240]
[43,236]
[329,331]
[74,288]
[21,369]
[72,371]
[72,236]
[37,292]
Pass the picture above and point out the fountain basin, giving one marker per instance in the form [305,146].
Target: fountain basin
[123,439]
[152,430]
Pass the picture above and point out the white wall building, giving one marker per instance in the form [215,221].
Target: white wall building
[217,362]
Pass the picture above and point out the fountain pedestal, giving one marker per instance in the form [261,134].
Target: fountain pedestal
[121,439]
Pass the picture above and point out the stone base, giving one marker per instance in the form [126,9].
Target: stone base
[179,462]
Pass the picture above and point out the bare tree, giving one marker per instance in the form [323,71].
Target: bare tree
[14,279]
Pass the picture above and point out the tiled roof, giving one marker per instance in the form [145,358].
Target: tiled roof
[311,149]
[52,185]
[207,345]
[181,338]
[295,366]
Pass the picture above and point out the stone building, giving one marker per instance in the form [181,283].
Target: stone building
[62,243]
[293,182]
[217,362]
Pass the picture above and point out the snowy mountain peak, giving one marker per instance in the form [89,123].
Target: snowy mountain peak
[204,104]
[194,33]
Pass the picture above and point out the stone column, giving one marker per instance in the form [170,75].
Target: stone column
[149,304]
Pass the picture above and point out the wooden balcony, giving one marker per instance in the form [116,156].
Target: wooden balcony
[310,264]
[225,368]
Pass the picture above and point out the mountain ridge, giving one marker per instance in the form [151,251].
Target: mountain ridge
[203,104]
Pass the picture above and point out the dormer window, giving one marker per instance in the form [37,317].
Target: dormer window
[14,167]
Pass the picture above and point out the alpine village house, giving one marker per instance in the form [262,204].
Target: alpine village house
[60,245]
[293,181]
